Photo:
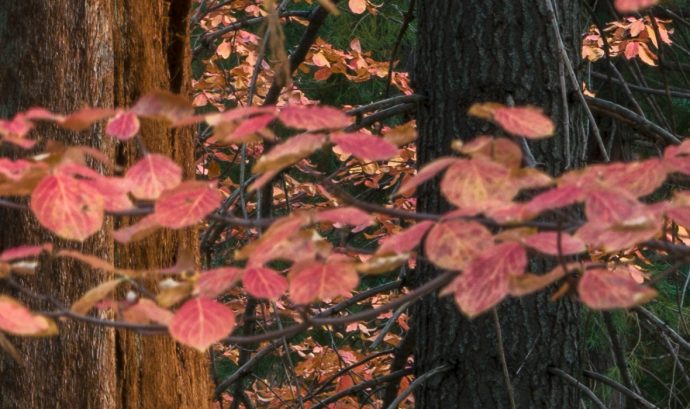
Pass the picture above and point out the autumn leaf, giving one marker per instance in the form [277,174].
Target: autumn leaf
[604,289]
[364,146]
[201,322]
[404,241]
[357,6]
[137,231]
[18,320]
[525,121]
[318,281]
[428,172]
[94,295]
[486,280]
[264,282]
[313,118]
[554,244]
[214,282]
[20,252]
[164,105]
[291,151]
[68,207]
[452,244]
[345,215]
[632,6]
[84,118]
[152,175]
[124,126]
[186,205]
[146,311]
[478,184]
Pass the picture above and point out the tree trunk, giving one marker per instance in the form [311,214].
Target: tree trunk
[500,51]
[63,54]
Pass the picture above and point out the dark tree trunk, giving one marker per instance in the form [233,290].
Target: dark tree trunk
[63,54]
[501,51]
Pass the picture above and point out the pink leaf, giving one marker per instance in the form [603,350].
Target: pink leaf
[162,104]
[250,126]
[486,281]
[406,240]
[68,207]
[152,175]
[364,146]
[137,231]
[548,243]
[426,173]
[201,322]
[319,281]
[186,205]
[264,283]
[18,320]
[215,282]
[478,184]
[358,6]
[291,151]
[313,118]
[632,6]
[603,289]
[16,253]
[124,126]
[453,244]
[84,118]
[345,215]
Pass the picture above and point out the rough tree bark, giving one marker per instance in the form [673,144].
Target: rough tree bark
[63,54]
[502,51]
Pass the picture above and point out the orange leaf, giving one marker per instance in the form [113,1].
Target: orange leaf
[93,296]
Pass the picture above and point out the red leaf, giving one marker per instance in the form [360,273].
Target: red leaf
[452,244]
[603,289]
[124,126]
[319,281]
[18,320]
[269,245]
[152,175]
[186,205]
[406,240]
[313,118]
[162,104]
[201,322]
[291,151]
[16,253]
[215,282]
[17,127]
[68,207]
[345,215]
[364,146]
[478,184]
[264,283]
[426,173]
[548,243]
[486,281]
[612,206]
